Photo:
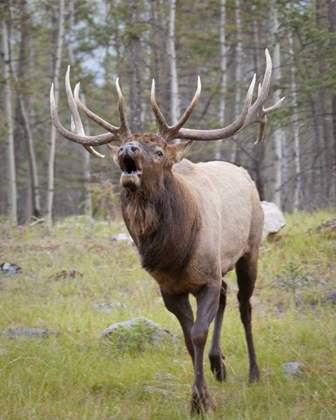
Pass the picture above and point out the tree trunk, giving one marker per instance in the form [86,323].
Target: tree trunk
[86,155]
[135,97]
[258,152]
[332,29]
[278,133]
[10,156]
[19,76]
[223,68]
[296,131]
[174,95]
[238,74]
[87,169]
[51,163]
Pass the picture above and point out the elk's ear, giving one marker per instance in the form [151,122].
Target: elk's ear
[114,152]
[179,150]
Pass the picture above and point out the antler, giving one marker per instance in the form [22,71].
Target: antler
[75,118]
[258,113]
[249,115]
[164,130]
[122,132]
[170,133]
[115,133]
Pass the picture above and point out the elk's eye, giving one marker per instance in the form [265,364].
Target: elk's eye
[159,153]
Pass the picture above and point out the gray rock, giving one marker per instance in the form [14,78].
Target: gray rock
[148,329]
[330,297]
[274,219]
[294,368]
[108,306]
[27,332]
[122,237]
[8,269]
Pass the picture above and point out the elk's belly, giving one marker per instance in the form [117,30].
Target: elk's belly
[179,286]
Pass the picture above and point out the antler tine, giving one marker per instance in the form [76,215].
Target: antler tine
[274,107]
[188,111]
[258,114]
[225,132]
[162,124]
[124,129]
[78,125]
[166,131]
[107,126]
[77,138]
[121,132]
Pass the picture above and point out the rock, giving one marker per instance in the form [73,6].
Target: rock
[9,269]
[138,329]
[294,368]
[328,229]
[330,297]
[274,220]
[27,332]
[123,237]
[108,306]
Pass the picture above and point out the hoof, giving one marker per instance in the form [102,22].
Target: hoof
[254,375]
[201,402]
[218,367]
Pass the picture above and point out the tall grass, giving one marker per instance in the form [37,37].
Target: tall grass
[74,374]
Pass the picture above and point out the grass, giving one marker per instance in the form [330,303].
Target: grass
[74,374]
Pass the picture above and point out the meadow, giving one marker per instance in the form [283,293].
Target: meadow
[75,374]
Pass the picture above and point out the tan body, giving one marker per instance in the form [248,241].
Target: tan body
[231,214]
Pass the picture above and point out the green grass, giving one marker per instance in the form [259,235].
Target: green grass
[74,374]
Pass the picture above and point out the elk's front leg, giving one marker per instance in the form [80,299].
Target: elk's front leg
[180,306]
[207,306]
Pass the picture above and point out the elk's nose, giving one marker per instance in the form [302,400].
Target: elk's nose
[129,149]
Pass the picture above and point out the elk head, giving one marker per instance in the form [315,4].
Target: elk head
[145,155]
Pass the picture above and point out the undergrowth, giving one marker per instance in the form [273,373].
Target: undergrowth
[73,373]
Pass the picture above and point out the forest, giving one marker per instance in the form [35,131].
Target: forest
[43,176]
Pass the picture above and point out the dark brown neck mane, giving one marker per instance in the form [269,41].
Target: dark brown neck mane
[164,224]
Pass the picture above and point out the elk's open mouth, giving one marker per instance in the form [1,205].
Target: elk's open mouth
[131,174]
[129,167]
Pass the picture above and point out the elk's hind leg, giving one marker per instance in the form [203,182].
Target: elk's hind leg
[246,269]
[216,355]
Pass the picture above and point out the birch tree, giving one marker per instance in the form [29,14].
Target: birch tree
[174,94]
[56,69]
[238,73]
[324,99]
[258,152]
[19,76]
[296,128]
[332,30]
[135,93]
[278,133]
[85,154]
[223,62]
[10,156]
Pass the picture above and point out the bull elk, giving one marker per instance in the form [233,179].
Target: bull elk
[191,223]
